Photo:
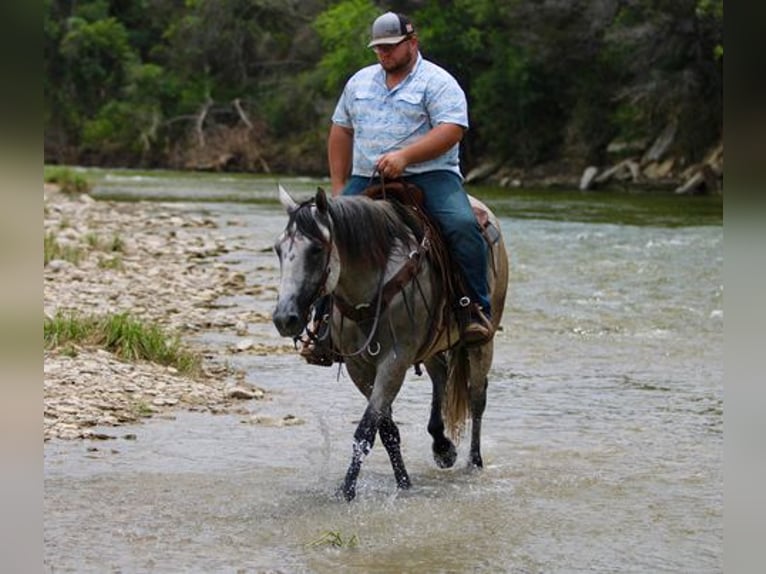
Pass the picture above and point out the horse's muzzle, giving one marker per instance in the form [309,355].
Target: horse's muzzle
[288,322]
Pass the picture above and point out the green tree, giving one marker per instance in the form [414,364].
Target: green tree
[98,56]
[344,30]
[135,81]
[671,51]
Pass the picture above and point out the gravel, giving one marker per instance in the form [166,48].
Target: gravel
[160,264]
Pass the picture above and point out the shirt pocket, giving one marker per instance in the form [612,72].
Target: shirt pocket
[411,109]
[364,108]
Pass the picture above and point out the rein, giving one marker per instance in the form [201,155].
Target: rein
[387,292]
[321,291]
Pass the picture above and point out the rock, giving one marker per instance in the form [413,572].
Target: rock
[244,345]
[715,160]
[656,170]
[692,185]
[59,265]
[292,420]
[481,172]
[627,169]
[241,393]
[156,283]
[661,145]
[265,420]
[586,181]
[702,179]
[240,327]
[620,148]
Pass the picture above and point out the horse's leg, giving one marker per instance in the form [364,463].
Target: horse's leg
[481,359]
[443,449]
[363,376]
[377,416]
[364,439]
[478,402]
[389,436]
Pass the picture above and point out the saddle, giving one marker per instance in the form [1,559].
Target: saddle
[412,196]
[457,306]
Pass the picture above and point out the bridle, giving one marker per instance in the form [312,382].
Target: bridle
[373,310]
[328,246]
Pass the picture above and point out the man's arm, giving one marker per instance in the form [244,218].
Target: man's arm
[339,154]
[435,143]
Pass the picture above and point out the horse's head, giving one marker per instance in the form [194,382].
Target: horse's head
[308,260]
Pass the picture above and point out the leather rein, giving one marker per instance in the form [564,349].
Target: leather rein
[386,290]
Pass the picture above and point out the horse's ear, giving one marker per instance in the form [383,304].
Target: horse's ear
[287,201]
[321,200]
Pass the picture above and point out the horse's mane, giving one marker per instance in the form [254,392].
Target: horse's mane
[365,229]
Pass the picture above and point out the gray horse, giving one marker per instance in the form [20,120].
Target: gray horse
[355,248]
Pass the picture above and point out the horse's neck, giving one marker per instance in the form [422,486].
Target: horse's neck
[360,286]
[357,289]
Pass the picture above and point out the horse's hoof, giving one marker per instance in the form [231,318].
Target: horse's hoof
[347,493]
[447,457]
[475,463]
[404,483]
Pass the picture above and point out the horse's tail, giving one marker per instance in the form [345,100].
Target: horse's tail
[457,401]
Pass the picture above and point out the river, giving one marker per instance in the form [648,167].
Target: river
[602,438]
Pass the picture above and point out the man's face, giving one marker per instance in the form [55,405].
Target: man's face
[396,57]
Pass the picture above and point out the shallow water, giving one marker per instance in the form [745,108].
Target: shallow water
[602,437]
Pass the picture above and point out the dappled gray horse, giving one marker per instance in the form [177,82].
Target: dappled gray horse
[355,248]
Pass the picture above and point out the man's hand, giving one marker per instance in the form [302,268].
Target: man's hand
[436,142]
[392,164]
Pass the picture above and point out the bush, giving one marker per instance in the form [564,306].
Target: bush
[123,335]
[68,180]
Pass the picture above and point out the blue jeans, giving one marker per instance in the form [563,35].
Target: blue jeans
[447,203]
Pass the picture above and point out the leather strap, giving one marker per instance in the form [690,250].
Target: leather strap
[404,275]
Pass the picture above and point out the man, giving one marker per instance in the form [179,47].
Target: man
[404,117]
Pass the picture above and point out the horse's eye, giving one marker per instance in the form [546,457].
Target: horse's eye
[315,249]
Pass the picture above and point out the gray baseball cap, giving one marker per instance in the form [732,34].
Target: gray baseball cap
[390,28]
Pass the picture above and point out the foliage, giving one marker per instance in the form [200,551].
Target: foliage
[153,82]
[672,72]
[344,30]
[67,179]
[121,334]
[52,250]
[97,55]
[335,539]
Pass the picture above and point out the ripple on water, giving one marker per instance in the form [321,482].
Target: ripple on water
[602,436]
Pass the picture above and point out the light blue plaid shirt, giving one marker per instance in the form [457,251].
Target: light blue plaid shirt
[384,120]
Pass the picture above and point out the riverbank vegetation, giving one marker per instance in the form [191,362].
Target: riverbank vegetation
[67,180]
[125,336]
[249,85]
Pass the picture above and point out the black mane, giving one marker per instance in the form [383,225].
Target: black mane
[364,230]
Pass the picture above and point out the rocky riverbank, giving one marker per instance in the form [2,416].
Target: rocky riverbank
[161,265]
[632,166]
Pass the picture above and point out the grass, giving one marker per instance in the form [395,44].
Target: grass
[123,335]
[52,249]
[116,244]
[142,409]
[335,539]
[67,179]
[111,263]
